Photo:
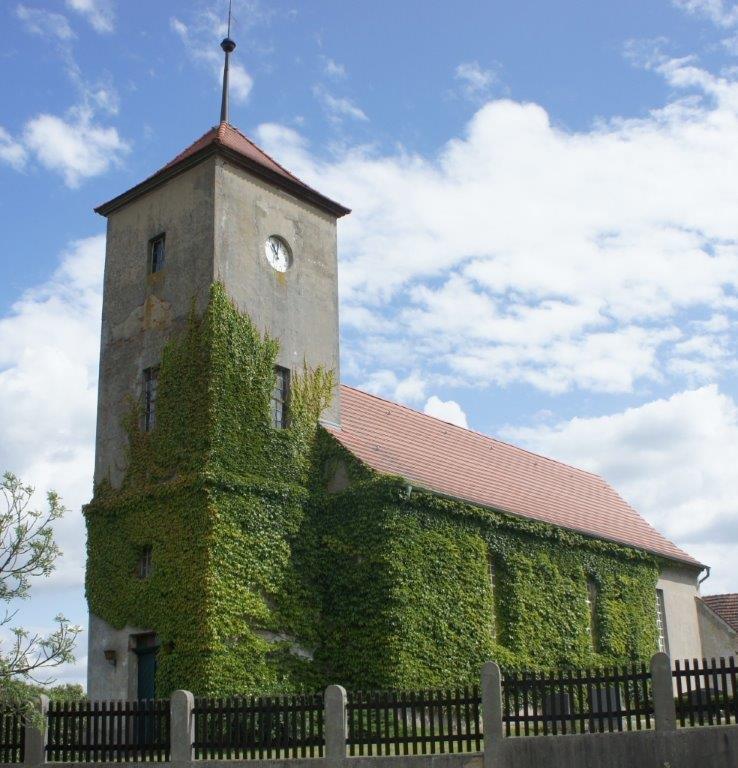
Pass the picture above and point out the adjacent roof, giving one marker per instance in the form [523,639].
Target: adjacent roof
[230,142]
[726,607]
[467,465]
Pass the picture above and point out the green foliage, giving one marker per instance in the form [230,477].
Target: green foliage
[407,598]
[219,496]
[27,551]
[255,562]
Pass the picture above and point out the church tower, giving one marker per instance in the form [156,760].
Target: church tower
[222,267]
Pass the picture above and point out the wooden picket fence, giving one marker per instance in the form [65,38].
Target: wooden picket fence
[259,727]
[707,692]
[586,701]
[416,722]
[115,731]
[12,736]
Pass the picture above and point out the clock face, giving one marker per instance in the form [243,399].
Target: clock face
[278,253]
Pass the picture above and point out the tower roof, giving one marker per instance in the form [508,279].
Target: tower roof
[441,457]
[228,141]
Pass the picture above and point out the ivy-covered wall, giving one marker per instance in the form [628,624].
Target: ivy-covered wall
[220,497]
[257,564]
[408,599]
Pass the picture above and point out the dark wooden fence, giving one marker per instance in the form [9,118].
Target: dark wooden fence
[707,692]
[414,722]
[251,727]
[585,701]
[12,735]
[115,731]
[383,723]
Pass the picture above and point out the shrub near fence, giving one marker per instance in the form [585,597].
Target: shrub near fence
[108,731]
[251,727]
[414,722]
[706,692]
[588,701]
[12,736]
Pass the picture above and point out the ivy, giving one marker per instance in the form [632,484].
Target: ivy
[407,598]
[257,565]
[220,497]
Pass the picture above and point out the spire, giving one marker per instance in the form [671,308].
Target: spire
[228,47]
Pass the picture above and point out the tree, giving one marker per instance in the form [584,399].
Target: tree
[28,551]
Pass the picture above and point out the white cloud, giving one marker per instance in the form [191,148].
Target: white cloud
[386,383]
[74,146]
[337,107]
[475,82]
[334,70]
[675,460]
[721,13]
[12,152]
[99,13]
[201,40]
[526,252]
[447,410]
[44,23]
[49,342]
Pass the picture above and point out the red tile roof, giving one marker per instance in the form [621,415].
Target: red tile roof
[228,138]
[467,465]
[726,607]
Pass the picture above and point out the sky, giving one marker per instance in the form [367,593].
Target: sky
[543,244]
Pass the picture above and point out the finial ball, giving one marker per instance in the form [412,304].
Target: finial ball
[228,45]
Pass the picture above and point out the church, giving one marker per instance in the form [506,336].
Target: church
[259,527]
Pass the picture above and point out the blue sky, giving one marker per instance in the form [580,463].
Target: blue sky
[544,243]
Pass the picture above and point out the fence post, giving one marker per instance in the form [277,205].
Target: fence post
[663,693]
[336,732]
[34,747]
[182,727]
[491,710]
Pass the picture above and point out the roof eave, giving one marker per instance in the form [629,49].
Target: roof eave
[299,191]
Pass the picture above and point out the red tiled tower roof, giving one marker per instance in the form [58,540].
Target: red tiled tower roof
[467,465]
[229,141]
[726,607]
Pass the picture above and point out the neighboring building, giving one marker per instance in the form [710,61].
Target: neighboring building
[234,545]
[718,616]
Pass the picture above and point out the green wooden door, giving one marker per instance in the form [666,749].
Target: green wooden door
[147,672]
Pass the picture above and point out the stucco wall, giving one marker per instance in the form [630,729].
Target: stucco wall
[708,747]
[299,307]
[106,681]
[718,638]
[680,590]
[140,309]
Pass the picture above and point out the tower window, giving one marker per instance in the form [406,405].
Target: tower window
[661,621]
[280,397]
[592,598]
[156,253]
[150,382]
[145,564]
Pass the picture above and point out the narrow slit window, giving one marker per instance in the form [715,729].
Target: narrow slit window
[592,598]
[145,564]
[496,588]
[156,253]
[280,398]
[150,385]
[661,621]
